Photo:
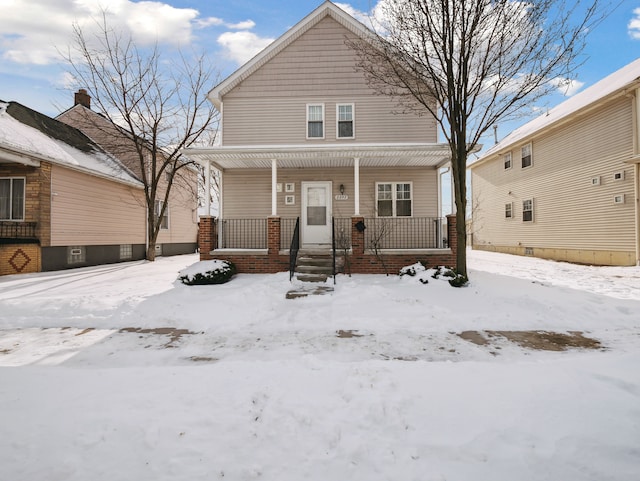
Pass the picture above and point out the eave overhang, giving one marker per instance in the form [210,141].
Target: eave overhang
[322,156]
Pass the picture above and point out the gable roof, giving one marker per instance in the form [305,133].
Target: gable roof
[27,136]
[615,84]
[327,9]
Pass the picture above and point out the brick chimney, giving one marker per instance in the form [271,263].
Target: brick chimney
[82,97]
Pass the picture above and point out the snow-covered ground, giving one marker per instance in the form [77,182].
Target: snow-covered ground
[120,372]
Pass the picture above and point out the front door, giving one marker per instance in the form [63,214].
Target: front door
[316,213]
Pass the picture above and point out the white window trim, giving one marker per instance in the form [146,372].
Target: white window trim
[24,199]
[394,199]
[306,125]
[166,213]
[504,161]
[533,207]
[353,120]
[508,217]
[530,145]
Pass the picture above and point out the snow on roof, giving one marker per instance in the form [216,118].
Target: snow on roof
[598,91]
[28,132]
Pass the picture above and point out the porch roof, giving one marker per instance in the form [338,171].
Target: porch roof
[321,155]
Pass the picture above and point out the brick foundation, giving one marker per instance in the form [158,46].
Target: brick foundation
[361,262]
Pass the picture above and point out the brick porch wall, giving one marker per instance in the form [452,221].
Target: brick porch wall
[361,262]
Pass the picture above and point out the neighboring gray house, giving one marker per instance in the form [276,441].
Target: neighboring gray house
[304,136]
[565,186]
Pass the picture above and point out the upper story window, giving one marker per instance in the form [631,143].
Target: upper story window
[527,210]
[507,160]
[315,121]
[527,156]
[12,194]
[164,222]
[394,199]
[508,210]
[345,118]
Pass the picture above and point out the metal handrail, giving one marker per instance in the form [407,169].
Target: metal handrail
[293,250]
[333,246]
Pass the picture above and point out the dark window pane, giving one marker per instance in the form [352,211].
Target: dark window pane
[345,129]
[403,208]
[317,215]
[385,208]
[18,200]
[315,129]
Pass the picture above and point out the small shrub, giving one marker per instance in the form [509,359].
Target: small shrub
[208,272]
[412,270]
[458,280]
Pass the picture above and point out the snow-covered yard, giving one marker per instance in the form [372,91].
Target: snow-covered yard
[120,372]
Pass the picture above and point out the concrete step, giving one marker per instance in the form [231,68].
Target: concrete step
[312,277]
[304,292]
[315,261]
[305,269]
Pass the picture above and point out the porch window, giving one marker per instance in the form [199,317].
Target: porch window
[508,210]
[345,118]
[507,161]
[164,222]
[315,121]
[12,194]
[394,199]
[527,210]
[527,157]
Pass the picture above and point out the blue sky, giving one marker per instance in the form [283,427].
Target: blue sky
[230,31]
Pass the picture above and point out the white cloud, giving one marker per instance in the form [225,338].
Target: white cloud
[567,87]
[246,25]
[32,31]
[242,46]
[634,25]
[209,22]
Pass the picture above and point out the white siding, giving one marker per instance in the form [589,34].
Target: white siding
[269,107]
[570,212]
[247,192]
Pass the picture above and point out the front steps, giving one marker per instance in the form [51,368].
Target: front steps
[314,268]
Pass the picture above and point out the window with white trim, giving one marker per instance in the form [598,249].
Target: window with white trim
[507,160]
[164,222]
[345,118]
[315,121]
[508,210]
[12,196]
[527,156]
[394,199]
[527,210]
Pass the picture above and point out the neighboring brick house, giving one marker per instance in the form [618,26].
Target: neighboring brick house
[64,202]
[305,137]
[179,227]
[566,186]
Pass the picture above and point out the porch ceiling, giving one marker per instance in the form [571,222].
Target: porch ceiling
[322,156]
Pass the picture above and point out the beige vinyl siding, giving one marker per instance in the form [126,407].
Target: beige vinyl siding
[183,223]
[569,212]
[247,192]
[269,107]
[88,210]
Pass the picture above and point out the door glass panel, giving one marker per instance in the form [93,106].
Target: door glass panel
[316,206]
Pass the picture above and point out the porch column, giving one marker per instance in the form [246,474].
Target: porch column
[356,186]
[274,185]
[220,207]
[207,189]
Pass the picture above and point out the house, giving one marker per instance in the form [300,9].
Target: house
[565,186]
[64,202]
[303,136]
[179,227]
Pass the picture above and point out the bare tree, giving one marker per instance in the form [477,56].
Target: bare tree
[472,63]
[153,105]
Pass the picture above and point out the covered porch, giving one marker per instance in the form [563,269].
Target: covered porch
[375,203]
